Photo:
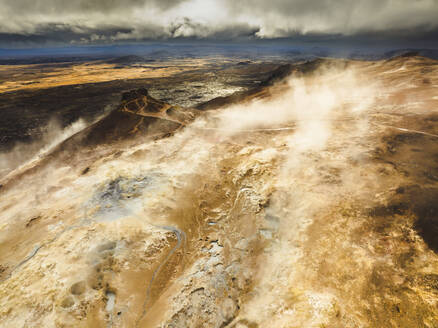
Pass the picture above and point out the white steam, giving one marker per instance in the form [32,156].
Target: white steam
[328,112]
[310,105]
[24,155]
[314,121]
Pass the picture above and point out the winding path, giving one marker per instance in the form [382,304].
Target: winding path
[181,237]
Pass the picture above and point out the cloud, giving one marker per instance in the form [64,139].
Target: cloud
[97,21]
[80,6]
[283,18]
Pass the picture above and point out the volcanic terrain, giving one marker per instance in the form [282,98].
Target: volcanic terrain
[309,199]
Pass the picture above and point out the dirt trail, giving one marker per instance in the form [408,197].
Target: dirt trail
[181,239]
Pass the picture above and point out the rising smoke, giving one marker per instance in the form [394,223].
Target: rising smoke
[323,111]
[306,116]
[24,154]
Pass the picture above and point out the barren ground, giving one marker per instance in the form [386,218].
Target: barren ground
[311,202]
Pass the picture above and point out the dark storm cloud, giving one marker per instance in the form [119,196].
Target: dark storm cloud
[282,18]
[189,28]
[60,33]
[80,21]
[81,6]
[106,21]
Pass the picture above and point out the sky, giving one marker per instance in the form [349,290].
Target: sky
[89,22]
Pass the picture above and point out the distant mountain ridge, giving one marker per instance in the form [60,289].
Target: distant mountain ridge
[133,56]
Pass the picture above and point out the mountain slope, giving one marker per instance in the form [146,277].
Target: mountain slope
[309,202]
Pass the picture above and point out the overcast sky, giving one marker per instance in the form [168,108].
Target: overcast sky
[109,21]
